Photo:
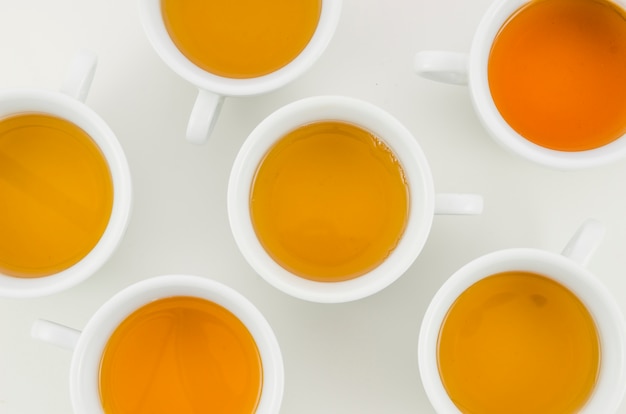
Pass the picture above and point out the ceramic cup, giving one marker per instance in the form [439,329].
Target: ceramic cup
[568,269]
[471,69]
[88,345]
[424,202]
[212,88]
[69,105]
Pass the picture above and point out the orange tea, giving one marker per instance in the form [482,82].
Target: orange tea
[518,343]
[329,201]
[557,73]
[57,194]
[180,355]
[241,38]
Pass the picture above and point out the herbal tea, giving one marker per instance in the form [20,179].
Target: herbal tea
[241,38]
[518,343]
[329,201]
[557,73]
[57,194]
[181,355]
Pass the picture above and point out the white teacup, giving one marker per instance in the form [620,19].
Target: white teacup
[568,269]
[212,88]
[88,345]
[471,69]
[69,105]
[424,202]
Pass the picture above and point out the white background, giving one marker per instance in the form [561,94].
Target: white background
[351,358]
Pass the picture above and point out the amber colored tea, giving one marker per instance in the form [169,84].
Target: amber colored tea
[181,355]
[56,191]
[518,343]
[329,201]
[241,38]
[557,73]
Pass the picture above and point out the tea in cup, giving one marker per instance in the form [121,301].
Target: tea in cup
[230,48]
[331,199]
[525,331]
[65,184]
[546,78]
[173,343]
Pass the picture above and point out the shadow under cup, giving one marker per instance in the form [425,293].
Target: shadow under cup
[514,319]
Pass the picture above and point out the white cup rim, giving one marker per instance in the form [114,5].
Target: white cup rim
[495,124]
[607,315]
[388,129]
[13,101]
[150,14]
[87,354]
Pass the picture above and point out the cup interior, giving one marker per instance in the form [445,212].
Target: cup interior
[53,103]
[84,372]
[494,123]
[370,118]
[606,314]
[151,17]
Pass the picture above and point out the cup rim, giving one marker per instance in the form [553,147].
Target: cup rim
[152,22]
[84,378]
[21,100]
[609,390]
[494,123]
[387,128]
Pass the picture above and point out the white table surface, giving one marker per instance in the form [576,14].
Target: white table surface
[358,357]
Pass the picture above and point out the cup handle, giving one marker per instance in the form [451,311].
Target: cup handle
[584,242]
[55,334]
[80,75]
[452,203]
[203,116]
[442,66]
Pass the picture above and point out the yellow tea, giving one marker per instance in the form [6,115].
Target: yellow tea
[329,201]
[241,38]
[557,73]
[56,191]
[518,343]
[180,355]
